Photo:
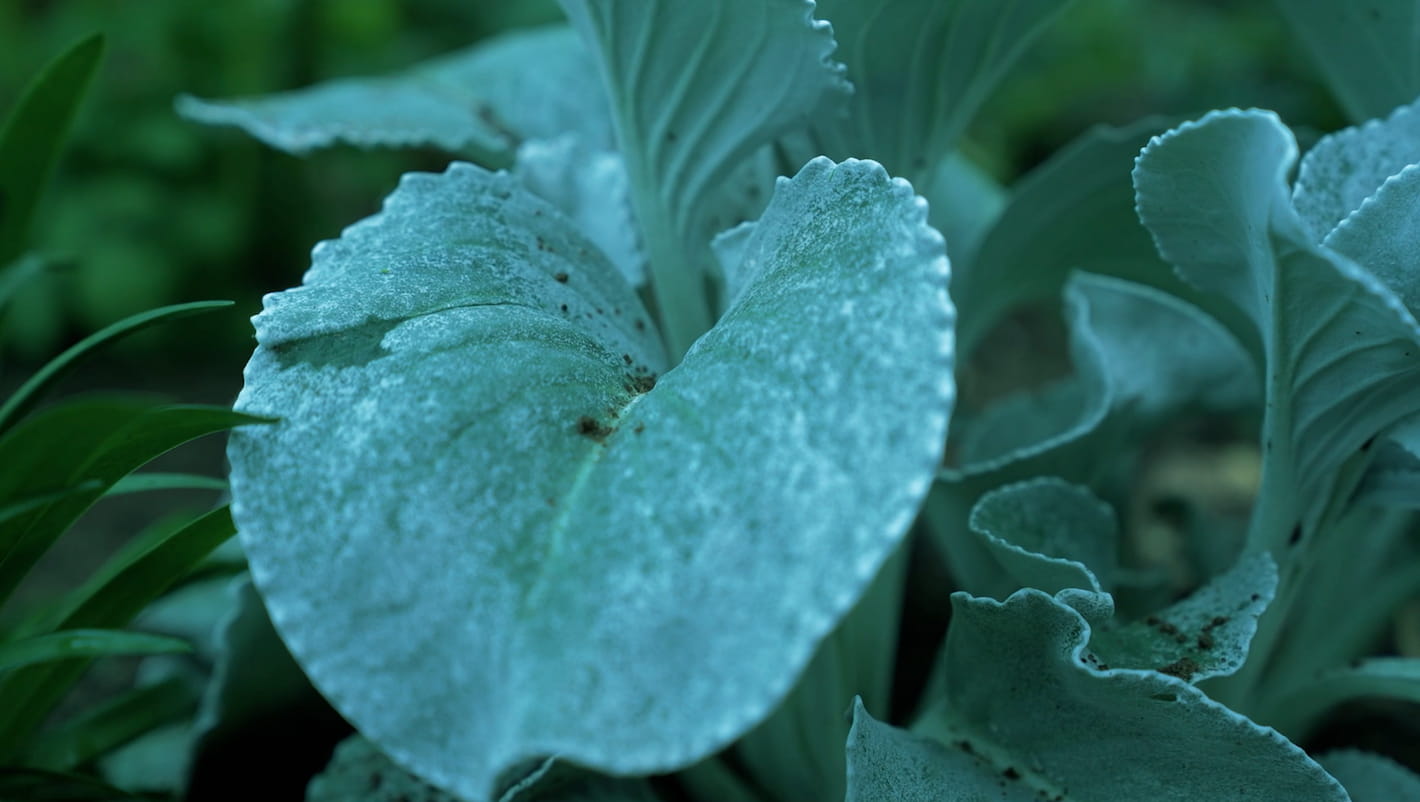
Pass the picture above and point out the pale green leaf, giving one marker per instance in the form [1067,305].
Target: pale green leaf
[1050,535]
[1206,634]
[695,89]
[1140,355]
[1368,52]
[1342,352]
[520,85]
[589,186]
[920,70]
[1021,692]
[469,428]
[963,203]
[1369,777]
[1377,677]
[1343,169]
[1073,212]
[1383,235]
[887,764]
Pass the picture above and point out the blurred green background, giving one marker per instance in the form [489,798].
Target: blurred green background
[148,209]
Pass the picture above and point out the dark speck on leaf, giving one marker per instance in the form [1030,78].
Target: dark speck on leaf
[640,325]
[563,307]
[1011,774]
[1255,597]
[626,358]
[590,427]
[1217,621]
[1205,641]
[643,383]
[1182,668]
[559,276]
[670,136]
[640,427]
[1366,446]
[1296,535]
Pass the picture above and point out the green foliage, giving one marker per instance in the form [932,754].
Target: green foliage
[59,460]
[566,481]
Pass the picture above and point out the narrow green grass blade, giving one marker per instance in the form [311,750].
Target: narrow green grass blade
[146,482]
[101,440]
[113,724]
[14,509]
[32,390]
[27,783]
[85,643]
[34,134]
[27,695]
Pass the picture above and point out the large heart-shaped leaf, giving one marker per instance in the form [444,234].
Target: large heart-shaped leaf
[695,88]
[493,526]
[521,85]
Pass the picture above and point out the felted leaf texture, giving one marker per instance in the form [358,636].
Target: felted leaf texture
[1023,708]
[1341,351]
[530,84]
[495,523]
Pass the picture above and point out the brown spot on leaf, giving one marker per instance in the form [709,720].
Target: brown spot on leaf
[590,427]
[560,277]
[1183,668]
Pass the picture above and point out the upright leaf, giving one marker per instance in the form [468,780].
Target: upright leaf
[920,71]
[1342,351]
[695,88]
[521,85]
[1368,53]
[478,425]
[33,135]
[1073,212]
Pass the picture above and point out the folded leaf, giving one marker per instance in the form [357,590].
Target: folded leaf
[1206,634]
[1342,352]
[1140,355]
[522,85]
[1344,168]
[1383,234]
[1366,52]
[1385,677]
[1369,777]
[476,422]
[887,764]
[1050,535]
[920,70]
[1020,693]
[695,89]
